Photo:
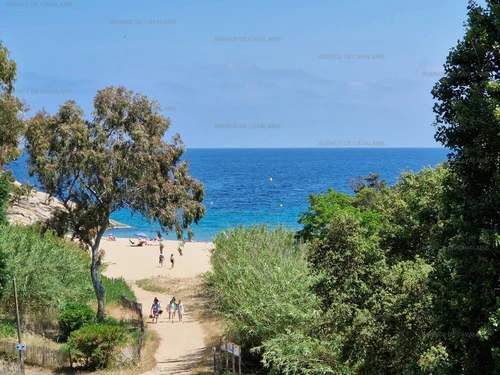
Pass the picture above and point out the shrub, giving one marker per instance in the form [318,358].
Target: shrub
[260,285]
[116,288]
[97,343]
[50,271]
[73,317]
[4,197]
[111,321]
[7,328]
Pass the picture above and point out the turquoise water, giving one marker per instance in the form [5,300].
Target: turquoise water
[238,189]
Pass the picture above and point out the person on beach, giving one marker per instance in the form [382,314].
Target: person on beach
[162,259]
[155,310]
[171,310]
[180,310]
[172,261]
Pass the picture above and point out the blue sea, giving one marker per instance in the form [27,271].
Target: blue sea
[239,189]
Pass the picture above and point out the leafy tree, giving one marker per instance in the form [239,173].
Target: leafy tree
[117,160]
[323,206]
[466,281]
[412,215]
[11,110]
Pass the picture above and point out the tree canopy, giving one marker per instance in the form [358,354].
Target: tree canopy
[116,160]
[12,110]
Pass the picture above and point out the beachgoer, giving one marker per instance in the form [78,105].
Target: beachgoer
[172,261]
[161,247]
[155,310]
[162,259]
[173,302]
[180,308]
[171,309]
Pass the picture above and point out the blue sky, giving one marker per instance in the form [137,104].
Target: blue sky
[170,53]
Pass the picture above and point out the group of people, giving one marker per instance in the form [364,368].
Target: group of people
[162,258]
[174,308]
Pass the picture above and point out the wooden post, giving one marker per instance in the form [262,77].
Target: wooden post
[234,359]
[21,358]
[227,360]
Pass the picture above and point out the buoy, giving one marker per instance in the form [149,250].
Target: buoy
[271,179]
[281,205]
[211,202]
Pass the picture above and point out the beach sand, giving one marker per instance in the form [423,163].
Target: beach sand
[135,263]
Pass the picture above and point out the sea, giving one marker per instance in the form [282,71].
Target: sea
[270,186]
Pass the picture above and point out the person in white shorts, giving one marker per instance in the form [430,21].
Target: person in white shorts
[180,310]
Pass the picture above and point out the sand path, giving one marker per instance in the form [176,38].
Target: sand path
[182,344]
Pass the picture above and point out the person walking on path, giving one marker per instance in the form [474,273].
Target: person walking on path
[172,261]
[155,310]
[171,310]
[180,308]
[175,308]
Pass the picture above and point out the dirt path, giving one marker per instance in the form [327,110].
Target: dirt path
[182,343]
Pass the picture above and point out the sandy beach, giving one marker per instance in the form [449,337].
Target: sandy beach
[135,263]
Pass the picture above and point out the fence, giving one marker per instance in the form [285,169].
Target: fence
[137,308]
[38,356]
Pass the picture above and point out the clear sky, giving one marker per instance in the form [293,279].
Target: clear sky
[219,67]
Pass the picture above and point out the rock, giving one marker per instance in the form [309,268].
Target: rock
[39,208]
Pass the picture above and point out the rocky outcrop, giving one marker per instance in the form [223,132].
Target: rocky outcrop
[38,208]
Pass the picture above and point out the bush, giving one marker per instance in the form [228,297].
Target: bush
[4,197]
[260,285]
[97,343]
[7,328]
[50,271]
[73,317]
[111,321]
[116,288]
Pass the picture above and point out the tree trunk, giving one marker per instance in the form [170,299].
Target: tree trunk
[96,262]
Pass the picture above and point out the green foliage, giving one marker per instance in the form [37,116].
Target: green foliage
[110,321]
[50,271]
[261,286]
[411,215]
[293,353]
[324,206]
[73,316]
[465,282]
[4,198]
[115,288]
[8,328]
[11,110]
[98,343]
[372,284]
